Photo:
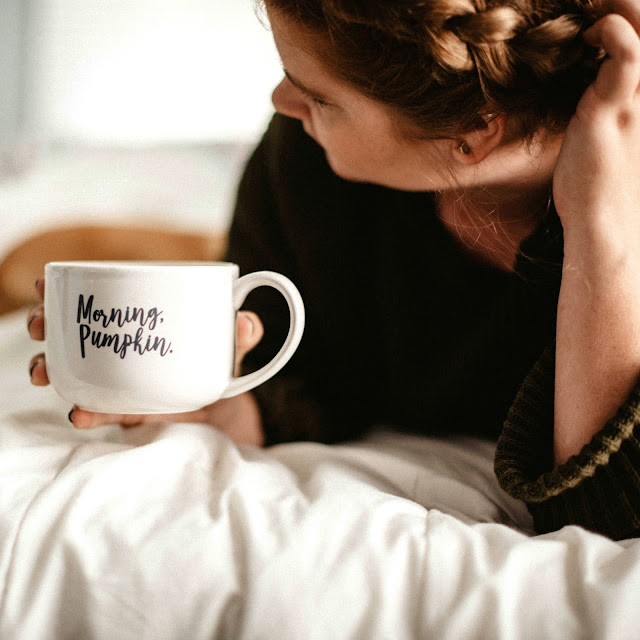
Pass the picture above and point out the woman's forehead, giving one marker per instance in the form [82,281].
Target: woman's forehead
[303,55]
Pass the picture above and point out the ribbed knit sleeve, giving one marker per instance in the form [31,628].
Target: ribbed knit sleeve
[599,488]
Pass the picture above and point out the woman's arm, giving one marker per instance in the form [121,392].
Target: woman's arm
[583,395]
[597,196]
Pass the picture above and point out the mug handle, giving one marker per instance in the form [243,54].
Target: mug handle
[241,289]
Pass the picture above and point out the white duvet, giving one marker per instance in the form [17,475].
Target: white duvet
[173,532]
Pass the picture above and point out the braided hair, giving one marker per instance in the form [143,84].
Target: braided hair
[446,64]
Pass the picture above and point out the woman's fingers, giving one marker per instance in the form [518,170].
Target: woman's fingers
[249,332]
[35,318]
[40,287]
[38,371]
[35,327]
[82,419]
[628,9]
[619,75]
[35,323]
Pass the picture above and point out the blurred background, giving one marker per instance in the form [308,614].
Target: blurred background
[134,111]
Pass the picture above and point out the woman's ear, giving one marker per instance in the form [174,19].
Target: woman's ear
[475,146]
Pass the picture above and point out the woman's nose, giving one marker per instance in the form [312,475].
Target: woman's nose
[288,101]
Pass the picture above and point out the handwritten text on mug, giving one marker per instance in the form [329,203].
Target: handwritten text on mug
[122,343]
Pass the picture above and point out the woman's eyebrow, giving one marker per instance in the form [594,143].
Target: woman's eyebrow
[308,91]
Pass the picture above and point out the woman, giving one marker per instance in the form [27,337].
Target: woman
[453,185]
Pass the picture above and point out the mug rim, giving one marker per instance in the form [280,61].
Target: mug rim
[101,265]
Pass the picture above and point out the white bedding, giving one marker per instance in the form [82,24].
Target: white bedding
[173,532]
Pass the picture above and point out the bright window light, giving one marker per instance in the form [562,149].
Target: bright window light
[152,71]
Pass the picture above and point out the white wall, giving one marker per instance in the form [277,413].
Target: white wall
[114,111]
[12,67]
[141,71]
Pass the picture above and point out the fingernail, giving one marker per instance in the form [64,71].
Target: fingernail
[31,319]
[253,326]
[71,413]
[37,283]
[33,366]
[250,320]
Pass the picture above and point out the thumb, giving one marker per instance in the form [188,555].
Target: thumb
[249,332]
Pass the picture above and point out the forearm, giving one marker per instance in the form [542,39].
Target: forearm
[598,333]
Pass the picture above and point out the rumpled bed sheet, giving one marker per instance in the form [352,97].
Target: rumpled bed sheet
[173,532]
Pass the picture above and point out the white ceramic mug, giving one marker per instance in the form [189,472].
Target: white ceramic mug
[153,337]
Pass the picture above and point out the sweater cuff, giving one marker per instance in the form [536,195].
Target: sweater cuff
[599,488]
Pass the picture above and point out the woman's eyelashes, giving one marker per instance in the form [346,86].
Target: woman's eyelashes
[320,102]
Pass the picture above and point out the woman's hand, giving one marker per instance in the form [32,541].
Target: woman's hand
[597,177]
[238,417]
[597,196]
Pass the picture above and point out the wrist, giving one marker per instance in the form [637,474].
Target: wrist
[601,245]
[239,417]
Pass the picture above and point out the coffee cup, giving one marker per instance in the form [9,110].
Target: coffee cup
[133,337]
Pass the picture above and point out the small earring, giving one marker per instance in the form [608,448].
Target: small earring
[464,148]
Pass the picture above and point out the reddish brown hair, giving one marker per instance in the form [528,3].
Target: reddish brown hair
[446,64]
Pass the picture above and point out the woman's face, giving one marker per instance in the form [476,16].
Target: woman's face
[359,135]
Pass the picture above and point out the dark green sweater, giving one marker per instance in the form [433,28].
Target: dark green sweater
[404,329]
